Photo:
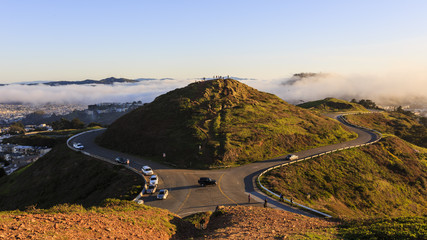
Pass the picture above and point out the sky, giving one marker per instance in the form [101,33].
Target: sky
[76,40]
[359,40]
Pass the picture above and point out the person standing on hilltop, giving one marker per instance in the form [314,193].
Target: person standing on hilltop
[249,198]
[265,202]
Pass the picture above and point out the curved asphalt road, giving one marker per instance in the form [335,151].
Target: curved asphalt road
[234,184]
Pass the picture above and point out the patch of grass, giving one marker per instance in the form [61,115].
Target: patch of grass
[402,125]
[333,105]
[388,228]
[197,217]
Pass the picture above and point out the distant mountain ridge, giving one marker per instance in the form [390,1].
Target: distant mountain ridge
[108,81]
[105,81]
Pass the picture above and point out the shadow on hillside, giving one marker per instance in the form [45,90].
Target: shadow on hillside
[184,230]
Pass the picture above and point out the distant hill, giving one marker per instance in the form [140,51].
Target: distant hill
[65,176]
[220,122]
[106,81]
[333,105]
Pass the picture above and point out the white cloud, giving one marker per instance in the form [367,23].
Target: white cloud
[395,89]
[145,91]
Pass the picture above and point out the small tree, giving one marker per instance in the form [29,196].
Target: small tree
[17,127]
[77,123]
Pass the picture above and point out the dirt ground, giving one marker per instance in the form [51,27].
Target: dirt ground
[236,222]
[259,223]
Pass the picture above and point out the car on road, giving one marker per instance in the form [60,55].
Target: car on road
[78,146]
[291,157]
[122,160]
[146,170]
[151,189]
[163,194]
[154,180]
[204,181]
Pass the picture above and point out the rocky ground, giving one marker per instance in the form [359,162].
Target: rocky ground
[226,223]
[260,223]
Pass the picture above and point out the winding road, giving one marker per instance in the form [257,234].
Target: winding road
[234,184]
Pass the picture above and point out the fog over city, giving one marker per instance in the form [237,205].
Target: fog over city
[390,90]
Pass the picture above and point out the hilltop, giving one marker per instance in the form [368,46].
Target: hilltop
[220,122]
[333,105]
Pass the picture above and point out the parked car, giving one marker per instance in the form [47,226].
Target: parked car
[203,181]
[146,170]
[151,189]
[163,194]
[122,160]
[154,180]
[78,146]
[291,157]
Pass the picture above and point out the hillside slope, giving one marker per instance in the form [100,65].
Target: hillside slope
[400,124]
[127,220]
[65,176]
[333,105]
[113,220]
[387,179]
[220,122]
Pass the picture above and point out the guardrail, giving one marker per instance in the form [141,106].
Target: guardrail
[136,199]
[342,118]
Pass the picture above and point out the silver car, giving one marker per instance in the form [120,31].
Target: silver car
[154,180]
[146,170]
[163,194]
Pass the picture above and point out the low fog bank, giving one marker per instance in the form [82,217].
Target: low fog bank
[396,90]
[144,91]
[386,91]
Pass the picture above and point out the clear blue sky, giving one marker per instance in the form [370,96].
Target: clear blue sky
[76,40]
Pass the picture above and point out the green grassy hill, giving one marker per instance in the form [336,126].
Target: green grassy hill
[333,105]
[65,176]
[220,122]
[387,179]
[405,126]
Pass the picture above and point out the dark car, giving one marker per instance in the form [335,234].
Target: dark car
[204,181]
[122,160]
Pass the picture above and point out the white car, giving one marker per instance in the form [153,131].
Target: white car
[163,194]
[78,146]
[291,157]
[146,170]
[154,180]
